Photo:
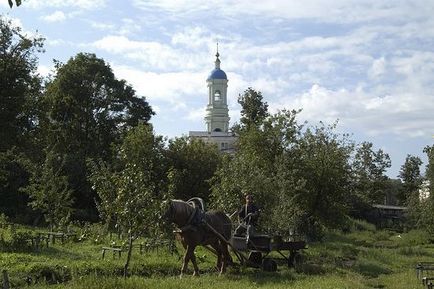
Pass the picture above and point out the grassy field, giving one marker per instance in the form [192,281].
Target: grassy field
[364,258]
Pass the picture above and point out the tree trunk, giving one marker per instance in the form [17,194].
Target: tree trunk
[6,284]
[130,249]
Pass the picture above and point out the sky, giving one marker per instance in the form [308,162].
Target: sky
[367,63]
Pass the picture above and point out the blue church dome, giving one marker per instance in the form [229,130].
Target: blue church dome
[217,73]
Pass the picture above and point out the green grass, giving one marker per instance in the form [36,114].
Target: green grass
[363,258]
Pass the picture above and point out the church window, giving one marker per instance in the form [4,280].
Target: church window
[217,95]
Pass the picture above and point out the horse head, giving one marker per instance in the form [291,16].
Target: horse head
[168,211]
[177,212]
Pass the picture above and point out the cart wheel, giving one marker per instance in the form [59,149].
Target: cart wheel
[255,258]
[269,265]
[294,259]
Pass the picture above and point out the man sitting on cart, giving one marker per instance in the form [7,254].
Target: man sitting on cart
[248,216]
[249,212]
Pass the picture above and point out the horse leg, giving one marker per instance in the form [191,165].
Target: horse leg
[187,257]
[216,247]
[226,257]
[193,260]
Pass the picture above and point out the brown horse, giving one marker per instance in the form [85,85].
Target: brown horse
[194,229]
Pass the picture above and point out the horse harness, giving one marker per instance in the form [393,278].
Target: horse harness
[195,221]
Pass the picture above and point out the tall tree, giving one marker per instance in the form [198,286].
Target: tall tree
[19,84]
[410,175]
[369,178]
[15,171]
[425,214]
[253,108]
[192,164]
[50,193]
[325,168]
[131,195]
[19,91]
[88,110]
[17,3]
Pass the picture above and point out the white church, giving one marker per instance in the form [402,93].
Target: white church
[217,112]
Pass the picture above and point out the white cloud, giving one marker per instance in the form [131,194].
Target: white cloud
[193,37]
[339,11]
[56,16]
[101,26]
[153,54]
[401,114]
[197,114]
[174,88]
[82,4]
[129,27]
[378,68]
[44,70]
[375,76]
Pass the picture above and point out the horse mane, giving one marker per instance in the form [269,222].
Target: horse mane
[182,208]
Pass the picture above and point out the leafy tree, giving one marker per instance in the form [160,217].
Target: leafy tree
[253,169]
[193,163]
[130,194]
[253,109]
[15,171]
[369,179]
[17,3]
[325,169]
[19,91]
[426,215]
[88,111]
[429,150]
[297,176]
[50,192]
[410,175]
[394,192]
[19,84]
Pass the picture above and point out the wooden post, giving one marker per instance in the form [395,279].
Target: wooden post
[6,284]
[130,248]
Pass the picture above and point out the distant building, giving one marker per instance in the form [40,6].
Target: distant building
[386,216]
[424,190]
[217,112]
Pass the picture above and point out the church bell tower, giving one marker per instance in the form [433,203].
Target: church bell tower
[217,112]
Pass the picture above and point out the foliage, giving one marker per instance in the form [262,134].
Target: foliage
[369,179]
[50,193]
[410,175]
[88,111]
[326,170]
[426,206]
[394,192]
[19,84]
[192,164]
[14,174]
[296,173]
[17,3]
[253,169]
[421,206]
[132,195]
[253,109]
[19,91]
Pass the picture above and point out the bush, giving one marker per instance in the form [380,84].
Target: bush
[41,273]
[20,241]
[415,237]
